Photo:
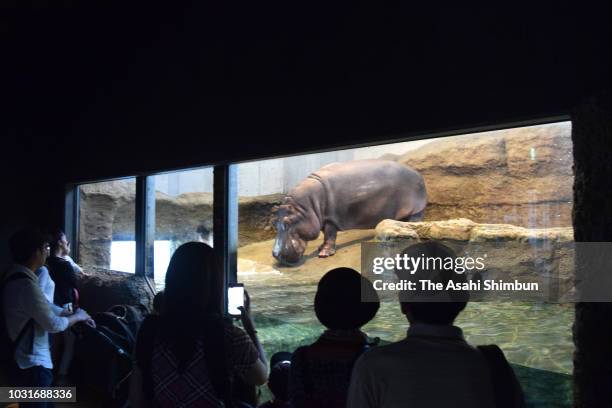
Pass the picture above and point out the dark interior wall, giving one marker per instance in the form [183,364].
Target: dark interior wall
[592,219]
[102,81]
[285,80]
[93,90]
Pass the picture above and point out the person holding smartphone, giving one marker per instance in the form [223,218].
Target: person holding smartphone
[249,327]
[190,354]
[239,306]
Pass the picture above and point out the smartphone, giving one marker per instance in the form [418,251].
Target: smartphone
[235,298]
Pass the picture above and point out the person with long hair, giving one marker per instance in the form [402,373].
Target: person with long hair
[190,355]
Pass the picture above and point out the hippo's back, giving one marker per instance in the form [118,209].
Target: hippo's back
[361,193]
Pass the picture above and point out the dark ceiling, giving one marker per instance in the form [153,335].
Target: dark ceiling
[107,88]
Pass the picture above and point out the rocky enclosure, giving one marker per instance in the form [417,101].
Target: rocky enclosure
[107,214]
[518,176]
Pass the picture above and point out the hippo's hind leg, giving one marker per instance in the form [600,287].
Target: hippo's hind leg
[328,248]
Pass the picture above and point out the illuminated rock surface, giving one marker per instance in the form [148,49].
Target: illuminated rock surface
[518,176]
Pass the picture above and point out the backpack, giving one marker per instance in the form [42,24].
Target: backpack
[7,346]
[103,356]
[121,323]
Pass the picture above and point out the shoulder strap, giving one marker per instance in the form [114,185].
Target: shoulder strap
[15,276]
[506,390]
[29,324]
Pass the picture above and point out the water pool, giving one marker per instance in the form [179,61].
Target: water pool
[536,338]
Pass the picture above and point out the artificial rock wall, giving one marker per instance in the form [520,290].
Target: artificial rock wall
[510,252]
[107,214]
[519,176]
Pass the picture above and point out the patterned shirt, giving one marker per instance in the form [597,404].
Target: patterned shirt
[192,387]
[321,373]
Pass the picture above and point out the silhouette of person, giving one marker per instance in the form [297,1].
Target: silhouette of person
[320,373]
[189,354]
[433,366]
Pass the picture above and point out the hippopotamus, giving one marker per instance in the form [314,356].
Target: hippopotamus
[341,196]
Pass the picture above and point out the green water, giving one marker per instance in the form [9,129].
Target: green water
[536,338]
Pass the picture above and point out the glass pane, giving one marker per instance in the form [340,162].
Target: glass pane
[510,178]
[107,225]
[183,213]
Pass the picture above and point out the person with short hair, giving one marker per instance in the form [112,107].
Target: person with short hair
[321,372]
[433,366]
[28,315]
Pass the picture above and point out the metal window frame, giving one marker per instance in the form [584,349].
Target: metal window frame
[225,226]
[71,221]
[145,225]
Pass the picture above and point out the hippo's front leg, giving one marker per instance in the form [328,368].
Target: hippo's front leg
[328,248]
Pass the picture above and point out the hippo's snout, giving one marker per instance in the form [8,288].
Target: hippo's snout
[287,252]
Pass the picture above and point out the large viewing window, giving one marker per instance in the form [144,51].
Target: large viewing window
[509,184]
[504,181]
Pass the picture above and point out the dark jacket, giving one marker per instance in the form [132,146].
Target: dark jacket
[65,278]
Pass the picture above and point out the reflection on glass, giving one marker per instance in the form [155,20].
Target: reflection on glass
[123,255]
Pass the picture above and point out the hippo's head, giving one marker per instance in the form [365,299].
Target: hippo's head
[290,244]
